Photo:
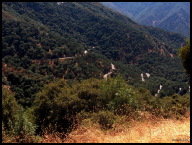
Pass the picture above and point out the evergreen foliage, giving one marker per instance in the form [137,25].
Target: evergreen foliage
[37,37]
[54,83]
[58,104]
[184,54]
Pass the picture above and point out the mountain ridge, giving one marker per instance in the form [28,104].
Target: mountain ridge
[52,31]
[157,14]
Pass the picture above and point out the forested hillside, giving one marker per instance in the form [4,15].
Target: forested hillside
[36,36]
[61,61]
[171,16]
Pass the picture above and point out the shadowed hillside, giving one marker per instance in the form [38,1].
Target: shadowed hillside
[171,16]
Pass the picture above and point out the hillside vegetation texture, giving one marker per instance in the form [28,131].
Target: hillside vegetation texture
[60,108]
[73,67]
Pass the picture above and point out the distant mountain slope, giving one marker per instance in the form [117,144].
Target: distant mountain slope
[44,41]
[171,16]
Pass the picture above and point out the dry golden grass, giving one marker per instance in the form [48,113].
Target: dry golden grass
[164,131]
[147,131]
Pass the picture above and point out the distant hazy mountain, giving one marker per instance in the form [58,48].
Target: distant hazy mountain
[171,16]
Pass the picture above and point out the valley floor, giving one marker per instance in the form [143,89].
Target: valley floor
[152,131]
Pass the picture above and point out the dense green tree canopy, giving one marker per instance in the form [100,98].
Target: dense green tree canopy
[184,54]
[42,42]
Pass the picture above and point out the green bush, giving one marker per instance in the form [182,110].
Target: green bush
[126,96]
[88,91]
[23,128]
[104,118]
[109,90]
[117,96]
[59,105]
[175,105]
[147,101]
[15,121]
[184,54]
[56,107]
[10,109]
